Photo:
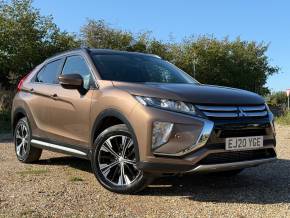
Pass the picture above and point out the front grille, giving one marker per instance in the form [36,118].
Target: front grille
[233,111]
[237,156]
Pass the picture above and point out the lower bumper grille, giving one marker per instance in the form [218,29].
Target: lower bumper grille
[237,156]
[242,133]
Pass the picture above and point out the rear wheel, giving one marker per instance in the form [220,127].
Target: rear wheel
[114,161]
[22,137]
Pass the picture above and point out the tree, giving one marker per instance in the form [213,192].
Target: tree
[26,39]
[98,34]
[237,63]
[277,99]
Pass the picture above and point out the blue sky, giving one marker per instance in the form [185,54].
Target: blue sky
[258,20]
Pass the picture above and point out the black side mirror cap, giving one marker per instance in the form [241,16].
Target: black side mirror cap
[71,81]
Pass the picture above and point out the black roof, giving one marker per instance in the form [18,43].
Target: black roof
[112,51]
[102,51]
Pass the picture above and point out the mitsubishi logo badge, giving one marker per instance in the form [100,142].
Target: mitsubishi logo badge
[241,112]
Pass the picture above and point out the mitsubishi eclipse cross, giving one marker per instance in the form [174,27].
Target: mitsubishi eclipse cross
[136,116]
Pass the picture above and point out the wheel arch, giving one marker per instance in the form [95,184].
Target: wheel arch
[118,118]
[17,114]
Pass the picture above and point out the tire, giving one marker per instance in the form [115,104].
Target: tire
[115,153]
[22,137]
[229,173]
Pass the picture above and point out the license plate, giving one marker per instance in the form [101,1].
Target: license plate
[244,143]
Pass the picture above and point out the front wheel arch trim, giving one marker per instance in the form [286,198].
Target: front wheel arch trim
[117,114]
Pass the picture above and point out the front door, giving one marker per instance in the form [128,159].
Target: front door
[71,108]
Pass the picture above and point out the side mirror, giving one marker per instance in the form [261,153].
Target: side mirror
[71,81]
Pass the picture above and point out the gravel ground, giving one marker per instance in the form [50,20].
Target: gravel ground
[63,186]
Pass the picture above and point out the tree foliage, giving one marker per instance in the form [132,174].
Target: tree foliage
[26,39]
[236,63]
[277,99]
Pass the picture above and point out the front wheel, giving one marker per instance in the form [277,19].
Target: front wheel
[114,161]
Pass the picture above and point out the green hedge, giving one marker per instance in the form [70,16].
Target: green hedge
[284,119]
[5,124]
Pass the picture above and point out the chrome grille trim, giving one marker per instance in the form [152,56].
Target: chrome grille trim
[216,108]
[213,114]
[256,114]
[253,108]
[233,111]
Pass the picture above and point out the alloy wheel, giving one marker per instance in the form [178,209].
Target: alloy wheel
[21,140]
[117,161]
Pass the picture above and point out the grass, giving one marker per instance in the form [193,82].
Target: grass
[32,171]
[284,119]
[5,124]
[76,179]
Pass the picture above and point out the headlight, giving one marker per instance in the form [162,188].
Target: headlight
[177,106]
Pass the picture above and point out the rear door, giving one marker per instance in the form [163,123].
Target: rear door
[41,101]
[71,108]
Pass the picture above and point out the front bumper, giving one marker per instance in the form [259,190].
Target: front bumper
[215,160]
[200,139]
[186,169]
[230,166]
[210,155]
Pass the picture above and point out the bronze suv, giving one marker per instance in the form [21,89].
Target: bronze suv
[136,116]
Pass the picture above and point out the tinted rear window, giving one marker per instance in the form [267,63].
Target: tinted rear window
[138,68]
[50,72]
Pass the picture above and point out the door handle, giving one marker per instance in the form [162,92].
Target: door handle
[54,96]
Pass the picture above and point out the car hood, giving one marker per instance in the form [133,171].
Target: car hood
[193,93]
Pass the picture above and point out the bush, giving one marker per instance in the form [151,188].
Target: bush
[6,98]
[5,124]
[284,119]
[277,99]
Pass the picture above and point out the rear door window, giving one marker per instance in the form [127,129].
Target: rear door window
[49,73]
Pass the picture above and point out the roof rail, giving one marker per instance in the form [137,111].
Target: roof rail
[87,49]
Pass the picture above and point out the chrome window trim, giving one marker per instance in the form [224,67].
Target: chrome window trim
[65,56]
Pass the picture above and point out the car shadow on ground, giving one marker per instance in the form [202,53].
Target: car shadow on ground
[74,162]
[266,184]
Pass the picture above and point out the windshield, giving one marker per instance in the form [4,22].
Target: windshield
[139,69]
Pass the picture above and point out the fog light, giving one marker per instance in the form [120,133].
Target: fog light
[160,133]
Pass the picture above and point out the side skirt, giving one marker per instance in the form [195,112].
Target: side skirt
[65,149]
